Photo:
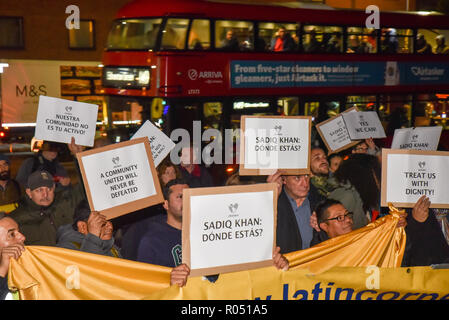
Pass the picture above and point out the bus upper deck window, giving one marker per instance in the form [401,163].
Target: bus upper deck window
[396,40]
[269,33]
[133,34]
[234,35]
[322,39]
[174,34]
[199,36]
[361,40]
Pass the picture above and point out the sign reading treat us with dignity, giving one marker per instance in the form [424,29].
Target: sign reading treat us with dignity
[334,133]
[408,175]
[269,143]
[419,138]
[120,178]
[363,125]
[161,145]
[59,120]
[227,229]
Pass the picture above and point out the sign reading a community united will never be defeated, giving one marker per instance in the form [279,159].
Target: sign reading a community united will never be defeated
[269,143]
[227,229]
[59,120]
[120,178]
[408,175]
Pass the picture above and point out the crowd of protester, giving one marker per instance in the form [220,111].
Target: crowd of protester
[341,194]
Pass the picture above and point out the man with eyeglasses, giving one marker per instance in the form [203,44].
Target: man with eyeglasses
[333,220]
[296,202]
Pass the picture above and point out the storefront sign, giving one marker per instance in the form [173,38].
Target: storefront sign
[218,220]
[409,174]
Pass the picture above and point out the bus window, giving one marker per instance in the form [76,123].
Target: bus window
[361,40]
[234,35]
[322,39]
[268,34]
[432,41]
[396,40]
[212,112]
[199,37]
[174,34]
[136,34]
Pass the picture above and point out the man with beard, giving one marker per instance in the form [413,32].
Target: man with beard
[42,211]
[320,171]
[9,188]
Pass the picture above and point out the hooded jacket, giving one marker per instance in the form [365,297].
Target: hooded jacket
[40,224]
[70,239]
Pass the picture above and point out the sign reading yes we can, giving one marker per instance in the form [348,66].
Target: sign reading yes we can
[419,138]
[363,125]
[218,220]
[334,133]
[161,145]
[408,175]
[59,120]
[269,143]
[120,178]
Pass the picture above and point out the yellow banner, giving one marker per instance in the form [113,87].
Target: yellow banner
[361,265]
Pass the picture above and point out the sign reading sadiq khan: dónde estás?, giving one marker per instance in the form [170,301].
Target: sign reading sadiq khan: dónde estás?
[227,229]
[268,143]
[120,178]
[408,175]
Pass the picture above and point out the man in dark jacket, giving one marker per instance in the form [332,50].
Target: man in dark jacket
[90,232]
[297,200]
[10,191]
[42,211]
[11,246]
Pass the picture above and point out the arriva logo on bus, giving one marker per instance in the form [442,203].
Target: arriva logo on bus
[193,74]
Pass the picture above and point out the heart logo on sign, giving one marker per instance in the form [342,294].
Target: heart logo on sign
[68,108]
[422,164]
[115,160]
[233,207]
[278,130]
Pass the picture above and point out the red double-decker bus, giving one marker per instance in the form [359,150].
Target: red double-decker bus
[176,61]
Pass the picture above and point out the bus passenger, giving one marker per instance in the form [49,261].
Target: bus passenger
[313,46]
[441,47]
[354,45]
[422,46]
[230,43]
[389,41]
[334,43]
[283,41]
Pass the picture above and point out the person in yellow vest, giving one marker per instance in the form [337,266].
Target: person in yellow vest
[10,191]
[90,232]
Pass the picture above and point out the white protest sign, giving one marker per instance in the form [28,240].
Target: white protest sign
[334,133]
[275,142]
[409,174]
[419,138]
[59,120]
[161,145]
[363,125]
[218,220]
[120,178]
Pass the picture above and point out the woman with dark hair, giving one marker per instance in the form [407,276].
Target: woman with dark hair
[357,187]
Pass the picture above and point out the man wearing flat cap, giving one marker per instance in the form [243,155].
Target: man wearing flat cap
[42,211]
